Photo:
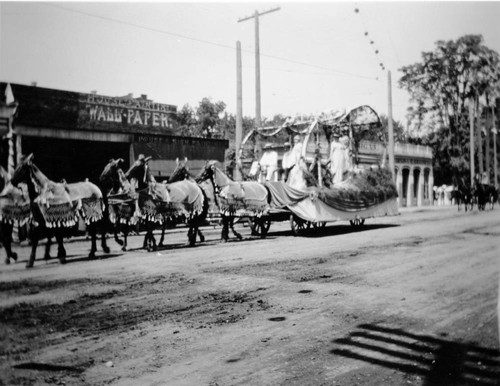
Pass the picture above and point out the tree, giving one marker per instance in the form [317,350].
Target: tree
[187,121]
[209,116]
[399,130]
[441,87]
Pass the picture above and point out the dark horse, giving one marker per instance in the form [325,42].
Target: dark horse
[55,208]
[235,199]
[462,194]
[484,194]
[160,203]
[14,207]
[184,189]
[120,200]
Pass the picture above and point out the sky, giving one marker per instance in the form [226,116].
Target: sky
[315,57]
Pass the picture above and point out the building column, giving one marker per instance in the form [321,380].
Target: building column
[431,186]
[420,190]
[399,186]
[409,190]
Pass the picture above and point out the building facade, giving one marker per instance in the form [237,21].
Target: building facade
[73,135]
[413,170]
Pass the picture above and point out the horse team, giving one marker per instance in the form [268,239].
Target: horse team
[122,201]
[480,194]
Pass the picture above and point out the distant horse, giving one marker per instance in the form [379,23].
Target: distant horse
[185,191]
[484,194]
[120,200]
[160,202]
[462,194]
[55,208]
[235,199]
[14,207]
[153,199]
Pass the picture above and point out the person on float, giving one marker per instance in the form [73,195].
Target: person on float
[254,172]
[269,163]
[338,161]
[297,148]
[288,162]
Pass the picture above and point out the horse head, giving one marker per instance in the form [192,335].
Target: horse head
[110,171]
[23,171]
[207,173]
[181,172]
[139,170]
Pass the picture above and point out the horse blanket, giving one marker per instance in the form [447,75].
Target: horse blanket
[14,205]
[154,203]
[56,207]
[186,199]
[88,198]
[246,198]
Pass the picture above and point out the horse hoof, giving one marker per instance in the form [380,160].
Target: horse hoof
[91,256]
[62,261]
[106,249]
[119,242]
[14,256]
[202,239]
[29,265]
[7,261]
[124,249]
[47,257]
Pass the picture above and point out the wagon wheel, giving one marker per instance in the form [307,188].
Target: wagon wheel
[357,222]
[259,226]
[298,225]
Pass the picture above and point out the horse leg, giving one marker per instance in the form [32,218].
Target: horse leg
[225,231]
[104,244]
[125,236]
[93,237]
[149,240]
[34,244]
[6,238]
[202,237]
[153,240]
[191,235]
[61,251]
[116,228]
[162,238]
[48,244]
[231,224]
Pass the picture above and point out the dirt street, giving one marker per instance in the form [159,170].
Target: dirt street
[405,300]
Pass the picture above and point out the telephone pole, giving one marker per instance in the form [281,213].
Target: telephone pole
[257,60]
[390,127]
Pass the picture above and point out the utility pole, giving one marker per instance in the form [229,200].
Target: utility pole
[239,112]
[390,127]
[471,139]
[257,61]
[495,132]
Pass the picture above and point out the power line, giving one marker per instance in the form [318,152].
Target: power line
[203,41]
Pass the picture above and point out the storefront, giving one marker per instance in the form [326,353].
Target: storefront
[73,135]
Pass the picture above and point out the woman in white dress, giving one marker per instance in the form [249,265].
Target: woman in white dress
[338,164]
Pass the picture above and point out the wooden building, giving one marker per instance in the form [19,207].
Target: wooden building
[73,135]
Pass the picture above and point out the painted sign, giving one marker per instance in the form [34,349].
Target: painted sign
[126,111]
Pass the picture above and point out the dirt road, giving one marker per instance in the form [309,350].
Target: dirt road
[406,300]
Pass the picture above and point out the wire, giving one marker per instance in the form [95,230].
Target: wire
[220,45]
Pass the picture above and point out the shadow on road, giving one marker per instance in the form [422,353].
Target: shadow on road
[333,230]
[437,361]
